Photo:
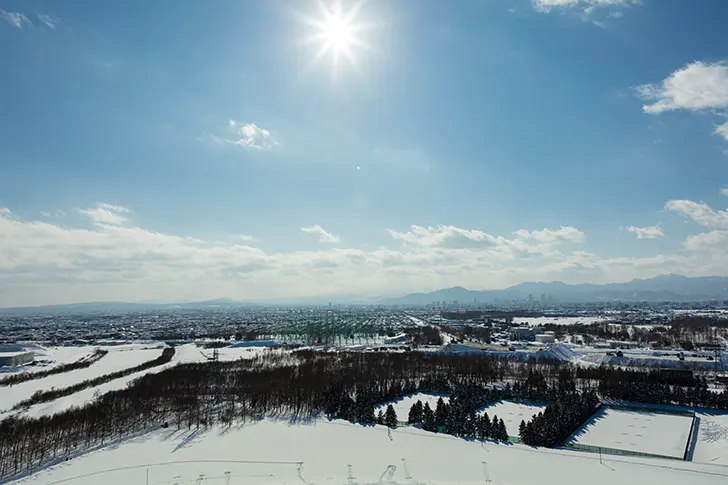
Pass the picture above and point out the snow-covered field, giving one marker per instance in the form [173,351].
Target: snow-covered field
[534,321]
[118,358]
[48,357]
[712,443]
[402,406]
[512,413]
[339,453]
[639,431]
[187,353]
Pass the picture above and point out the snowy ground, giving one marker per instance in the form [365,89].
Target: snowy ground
[47,358]
[402,406]
[534,321]
[183,354]
[712,442]
[340,453]
[640,431]
[118,358]
[512,413]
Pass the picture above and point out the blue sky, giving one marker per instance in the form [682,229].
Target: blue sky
[176,150]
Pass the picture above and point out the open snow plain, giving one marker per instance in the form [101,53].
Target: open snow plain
[638,431]
[339,453]
[711,445]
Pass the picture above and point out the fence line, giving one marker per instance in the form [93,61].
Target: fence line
[617,451]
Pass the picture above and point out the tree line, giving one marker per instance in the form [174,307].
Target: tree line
[82,363]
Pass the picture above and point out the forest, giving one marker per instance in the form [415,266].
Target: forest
[306,384]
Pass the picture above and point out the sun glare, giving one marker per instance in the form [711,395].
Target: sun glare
[336,32]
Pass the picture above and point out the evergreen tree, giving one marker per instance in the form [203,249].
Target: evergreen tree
[485,427]
[428,419]
[521,429]
[415,413]
[366,413]
[493,430]
[390,417]
[502,431]
[380,417]
[442,412]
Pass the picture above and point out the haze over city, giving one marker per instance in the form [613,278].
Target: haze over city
[262,150]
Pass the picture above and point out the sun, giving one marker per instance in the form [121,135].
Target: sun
[336,32]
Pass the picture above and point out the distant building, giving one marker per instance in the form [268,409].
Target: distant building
[546,338]
[523,333]
[11,359]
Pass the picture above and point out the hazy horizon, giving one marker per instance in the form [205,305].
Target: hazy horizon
[276,150]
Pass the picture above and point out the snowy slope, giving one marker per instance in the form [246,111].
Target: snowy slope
[118,358]
[340,453]
[49,357]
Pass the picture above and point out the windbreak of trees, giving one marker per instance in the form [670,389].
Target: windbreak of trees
[79,364]
[53,394]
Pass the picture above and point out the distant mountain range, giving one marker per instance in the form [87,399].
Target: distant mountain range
[670,287]
[661,288]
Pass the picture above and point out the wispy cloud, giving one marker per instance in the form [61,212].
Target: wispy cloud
[246,237]
[722,130]
[701,213]
[724,190]
[587,8]
[324,236]
[16,19]
[4,211]
[49,21]
[650,232]
[106,214]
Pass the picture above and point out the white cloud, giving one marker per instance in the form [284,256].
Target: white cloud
[722,130]
[324,236]
[449,236]
[4,211]
[650,232]
[246,237]
[701,213]
[16,19]
[250,135]
[708,241]
[49,21]
[724,190]
[546,6]
[524,244]
[697,86]
[41,262]
[106,214]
